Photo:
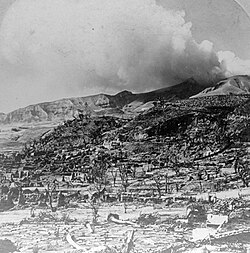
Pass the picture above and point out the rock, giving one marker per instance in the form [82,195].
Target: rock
[200,234]
[216,220]
[7,246]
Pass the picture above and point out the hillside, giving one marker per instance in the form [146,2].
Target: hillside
[101,104]
[236,85]
[190,128]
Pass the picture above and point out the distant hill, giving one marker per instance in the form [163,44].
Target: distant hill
[101,104]
[236,85]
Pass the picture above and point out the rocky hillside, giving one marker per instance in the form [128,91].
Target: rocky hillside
[101,104]
[174,133]
[236,85]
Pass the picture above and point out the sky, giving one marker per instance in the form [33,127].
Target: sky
[51,49]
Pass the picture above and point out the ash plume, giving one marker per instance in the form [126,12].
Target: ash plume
[106,45]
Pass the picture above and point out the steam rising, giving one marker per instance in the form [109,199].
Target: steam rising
[107,45]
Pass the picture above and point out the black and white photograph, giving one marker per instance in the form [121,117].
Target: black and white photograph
[124,126]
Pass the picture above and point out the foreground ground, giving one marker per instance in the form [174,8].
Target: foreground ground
[164,229]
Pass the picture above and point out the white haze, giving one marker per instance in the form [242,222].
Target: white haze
[60,47]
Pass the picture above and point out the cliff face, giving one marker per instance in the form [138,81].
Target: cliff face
[57,110]
[98,104]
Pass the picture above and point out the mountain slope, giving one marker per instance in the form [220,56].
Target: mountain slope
[236,85]
[101,104]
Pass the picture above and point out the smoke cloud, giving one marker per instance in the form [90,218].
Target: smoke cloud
[106,45]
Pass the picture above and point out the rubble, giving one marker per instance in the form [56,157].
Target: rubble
[148,219]
[201,234]
[125,248]
[216,220]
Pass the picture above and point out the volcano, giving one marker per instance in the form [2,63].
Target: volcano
[236,85]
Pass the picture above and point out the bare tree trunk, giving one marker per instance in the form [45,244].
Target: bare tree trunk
[166,183]
[21,198]
[129,242]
